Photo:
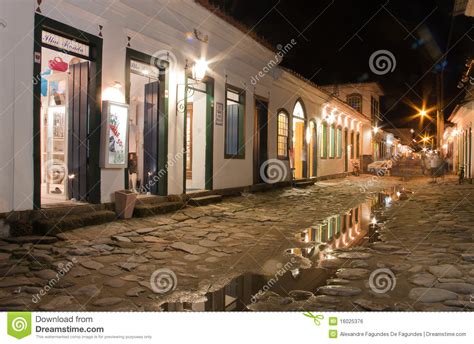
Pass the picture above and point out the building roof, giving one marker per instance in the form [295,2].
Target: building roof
[235,23]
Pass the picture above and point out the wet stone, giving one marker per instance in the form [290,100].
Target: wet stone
[352,273]
[191,257]
[161,255]
[135,292]
[107,301]
[371,305]
[58,302]
[339,290]
[110,271]
[88,290]
[121,239]
[13,270]
[46,274]
[358,264]
[460,288]
[423,279]
[468,257]
[445,271]
[128,266]
[188,248]
[114,283]
[431,295]
[92,265]
[299,295]
[325,299]
[355,255]
[79,271]
[208,243]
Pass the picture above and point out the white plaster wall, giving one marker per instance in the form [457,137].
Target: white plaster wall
[16,126]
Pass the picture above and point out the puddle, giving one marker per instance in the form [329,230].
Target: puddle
[357,227]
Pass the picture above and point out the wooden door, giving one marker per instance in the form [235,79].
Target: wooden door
[151,175]
[260,138]
[78,106]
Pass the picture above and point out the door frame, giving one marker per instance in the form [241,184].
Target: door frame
[313,148]
[256,143]
[346,150]
[94,120]
[132,54]
[304,163]
[209,155]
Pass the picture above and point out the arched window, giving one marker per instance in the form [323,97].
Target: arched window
[355,101]
[283,122]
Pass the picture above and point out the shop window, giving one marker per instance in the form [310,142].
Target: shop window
[332,142]
[324,141]
[283,135]
[234,123]
[339,142]
[355,101]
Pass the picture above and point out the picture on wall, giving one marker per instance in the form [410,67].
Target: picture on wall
[115,147]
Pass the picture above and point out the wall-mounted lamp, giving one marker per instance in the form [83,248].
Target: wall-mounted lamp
[199,69]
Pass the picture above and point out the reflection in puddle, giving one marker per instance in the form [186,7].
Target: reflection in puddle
[357,227]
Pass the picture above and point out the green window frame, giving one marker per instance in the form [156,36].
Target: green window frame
[339,142]
[324,141]
[332,141]
[234,145]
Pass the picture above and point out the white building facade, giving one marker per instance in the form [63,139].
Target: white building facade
[162,98]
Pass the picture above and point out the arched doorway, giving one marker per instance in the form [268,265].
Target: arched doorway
[298,137]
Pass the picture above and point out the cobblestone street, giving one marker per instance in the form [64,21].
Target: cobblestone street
[408,248]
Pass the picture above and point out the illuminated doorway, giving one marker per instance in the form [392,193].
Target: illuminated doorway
[299,149]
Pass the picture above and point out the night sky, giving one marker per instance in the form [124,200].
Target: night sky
[336,38]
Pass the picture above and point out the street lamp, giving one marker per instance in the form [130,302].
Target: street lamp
[376,129]
[199,69]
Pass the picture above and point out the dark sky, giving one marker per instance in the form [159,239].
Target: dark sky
[336,38]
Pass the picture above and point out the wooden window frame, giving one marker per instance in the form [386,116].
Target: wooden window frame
[324,141]
[354,95]
[332,143]
[339,142]
[242,101]
[283,112]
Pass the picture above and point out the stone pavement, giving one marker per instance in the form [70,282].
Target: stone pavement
[139,264]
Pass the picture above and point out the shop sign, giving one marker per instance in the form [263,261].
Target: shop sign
[144,69]
[64,43]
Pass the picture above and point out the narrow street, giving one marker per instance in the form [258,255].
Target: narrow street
[359,243]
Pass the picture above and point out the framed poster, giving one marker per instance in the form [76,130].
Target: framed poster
[219,114]
[114,146]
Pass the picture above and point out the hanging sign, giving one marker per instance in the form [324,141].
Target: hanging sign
[219,114]
[144,69]
[64,43]
[114,135]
